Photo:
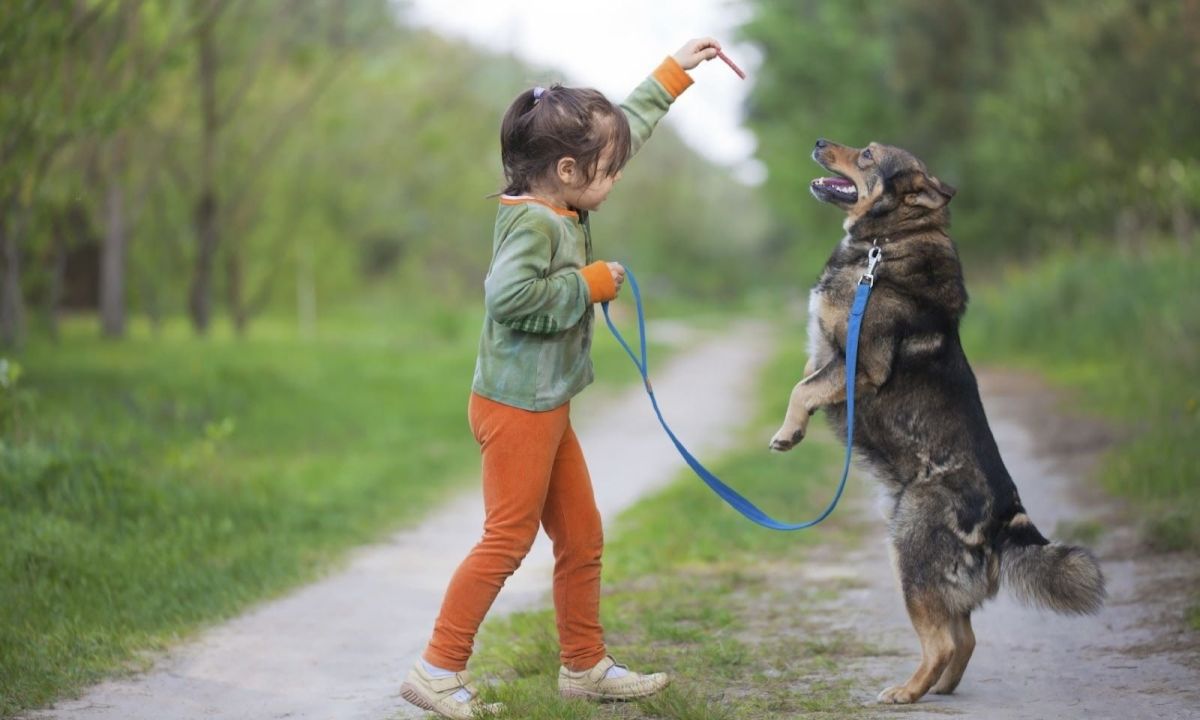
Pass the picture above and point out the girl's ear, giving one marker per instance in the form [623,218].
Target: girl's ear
[564,169]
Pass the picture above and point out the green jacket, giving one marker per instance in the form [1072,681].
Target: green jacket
[535,348]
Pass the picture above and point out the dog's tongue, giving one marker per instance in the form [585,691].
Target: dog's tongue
[835,181]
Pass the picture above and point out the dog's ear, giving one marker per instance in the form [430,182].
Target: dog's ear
[930,192]
[945,188]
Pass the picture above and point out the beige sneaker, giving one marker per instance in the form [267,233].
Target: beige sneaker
[436,694]
[594,684]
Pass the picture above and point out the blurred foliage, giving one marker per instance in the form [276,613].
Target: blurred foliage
[345,150]
[1121,329]
[348,149]
[1059,122]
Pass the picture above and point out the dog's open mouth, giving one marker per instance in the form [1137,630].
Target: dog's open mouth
[834,188]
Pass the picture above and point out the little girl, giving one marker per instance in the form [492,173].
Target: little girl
[563,150]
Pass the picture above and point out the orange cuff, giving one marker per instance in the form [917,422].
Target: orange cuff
[672,76]
[599,279]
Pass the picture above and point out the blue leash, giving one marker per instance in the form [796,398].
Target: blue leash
[731,496]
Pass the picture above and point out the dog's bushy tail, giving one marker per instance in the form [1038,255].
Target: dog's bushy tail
[1062,578]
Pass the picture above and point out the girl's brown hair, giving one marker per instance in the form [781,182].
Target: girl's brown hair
[545,124]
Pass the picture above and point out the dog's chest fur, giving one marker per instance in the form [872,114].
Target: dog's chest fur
[920,426]
[830,300]
[909,427]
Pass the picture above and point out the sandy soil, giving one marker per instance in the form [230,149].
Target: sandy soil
[339,648]
[1133,660]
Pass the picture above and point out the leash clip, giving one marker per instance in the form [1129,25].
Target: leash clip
[873,258]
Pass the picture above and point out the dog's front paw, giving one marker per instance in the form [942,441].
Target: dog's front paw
[785,440]
[897,695]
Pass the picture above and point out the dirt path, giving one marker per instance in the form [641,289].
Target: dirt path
[1129,662]
[340,647]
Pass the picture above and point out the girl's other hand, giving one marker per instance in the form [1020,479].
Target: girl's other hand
[696,51]
[618,273]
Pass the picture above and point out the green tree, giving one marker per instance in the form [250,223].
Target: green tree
[75,76]
[283,157]
[1055,119]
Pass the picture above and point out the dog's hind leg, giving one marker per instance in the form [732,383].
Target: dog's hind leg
[964,645]
[935,628]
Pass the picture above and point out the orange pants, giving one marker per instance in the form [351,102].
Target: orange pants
[533,474]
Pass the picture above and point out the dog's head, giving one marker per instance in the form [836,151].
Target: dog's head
[885,183]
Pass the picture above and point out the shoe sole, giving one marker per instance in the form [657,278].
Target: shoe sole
[574,693]
[409,693]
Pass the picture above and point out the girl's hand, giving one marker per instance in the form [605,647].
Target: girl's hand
[696,51]
[618,273]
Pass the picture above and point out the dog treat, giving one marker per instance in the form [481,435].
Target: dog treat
[731,65]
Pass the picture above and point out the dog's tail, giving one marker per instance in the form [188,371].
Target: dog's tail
[1062,578]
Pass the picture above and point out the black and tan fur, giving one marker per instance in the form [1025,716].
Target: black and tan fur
[956,522]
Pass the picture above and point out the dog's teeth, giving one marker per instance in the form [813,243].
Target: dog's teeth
[841,188]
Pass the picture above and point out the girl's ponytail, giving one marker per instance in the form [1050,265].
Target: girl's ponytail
[517,132]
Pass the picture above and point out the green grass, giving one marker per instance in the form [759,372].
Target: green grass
[156,484]
[1082,532]
[1123,332]
[684,578]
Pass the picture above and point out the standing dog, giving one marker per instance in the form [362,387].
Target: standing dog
[956,521]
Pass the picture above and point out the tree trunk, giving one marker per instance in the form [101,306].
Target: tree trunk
[233,291]
[112,264]
[58,274]
[206,250]
[113,251]
[12,306]
[149,302]
[206,210]
[1183,225]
